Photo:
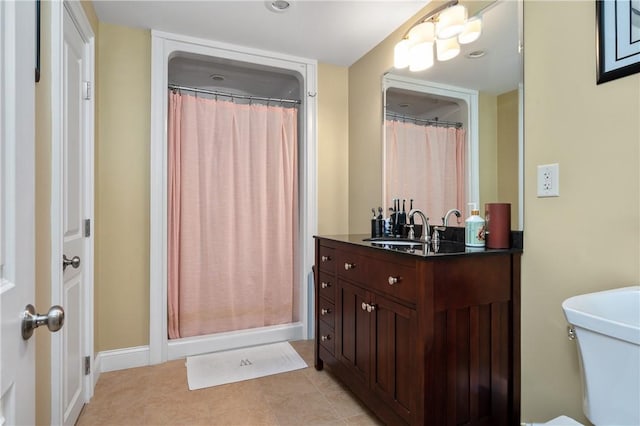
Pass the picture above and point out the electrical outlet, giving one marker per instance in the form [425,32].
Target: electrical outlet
[549,180]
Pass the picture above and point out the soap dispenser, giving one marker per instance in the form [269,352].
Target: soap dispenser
[474,228]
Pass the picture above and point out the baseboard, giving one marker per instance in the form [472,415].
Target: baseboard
[96,369]
[189,346]
[139,356]
[121,359]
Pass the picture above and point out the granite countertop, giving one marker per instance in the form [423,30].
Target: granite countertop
[443,249]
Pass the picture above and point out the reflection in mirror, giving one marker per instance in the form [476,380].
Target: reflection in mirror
[469,110]
[430,146]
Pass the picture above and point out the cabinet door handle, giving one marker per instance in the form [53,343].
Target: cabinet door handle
[348,266]
[325,285]
[371,308]
[364,306]
[325,338]
[325,311]
[325,258]
[393,280]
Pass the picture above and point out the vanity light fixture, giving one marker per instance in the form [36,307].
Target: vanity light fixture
[447,27]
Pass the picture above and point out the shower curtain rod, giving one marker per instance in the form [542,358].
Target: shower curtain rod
[417,120]
[232,96]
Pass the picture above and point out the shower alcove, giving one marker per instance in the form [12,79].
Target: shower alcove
[187,62]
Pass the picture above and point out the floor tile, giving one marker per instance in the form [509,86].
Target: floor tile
[159,395]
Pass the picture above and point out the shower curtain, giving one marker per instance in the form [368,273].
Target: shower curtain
[426,163]
[233,215]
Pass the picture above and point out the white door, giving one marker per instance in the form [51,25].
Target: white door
[17,220]
[73,181]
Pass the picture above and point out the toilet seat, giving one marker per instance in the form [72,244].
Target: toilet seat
[559,421]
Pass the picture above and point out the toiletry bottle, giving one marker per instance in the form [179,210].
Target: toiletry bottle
[474,228]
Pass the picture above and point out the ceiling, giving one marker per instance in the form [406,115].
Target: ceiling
[335,31]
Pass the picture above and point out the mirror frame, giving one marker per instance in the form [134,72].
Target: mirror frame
[468,96]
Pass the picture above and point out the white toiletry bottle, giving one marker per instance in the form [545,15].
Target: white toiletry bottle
[474,228]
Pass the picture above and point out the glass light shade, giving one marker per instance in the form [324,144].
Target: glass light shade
[401,54]
[447,49]
[421,33]
[451,21]
[472,30]
[421,56]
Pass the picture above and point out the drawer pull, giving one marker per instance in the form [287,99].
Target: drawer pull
[367,307]
[325,285]
[348,266]
[325,311]
[393,280]
[325,338]
[325,258]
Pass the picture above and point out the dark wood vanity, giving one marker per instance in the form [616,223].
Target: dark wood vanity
[421,339]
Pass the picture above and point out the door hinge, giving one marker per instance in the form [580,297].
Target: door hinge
[87,228]
[87,365]
[86,90]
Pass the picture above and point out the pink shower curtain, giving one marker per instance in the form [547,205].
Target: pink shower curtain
[426,163]
[233,204]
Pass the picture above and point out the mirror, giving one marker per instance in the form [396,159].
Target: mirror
[480,91]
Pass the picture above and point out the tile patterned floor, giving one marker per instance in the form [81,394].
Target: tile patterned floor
[158,395]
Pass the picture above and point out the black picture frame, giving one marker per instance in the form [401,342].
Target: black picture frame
[37,41]
[617,49]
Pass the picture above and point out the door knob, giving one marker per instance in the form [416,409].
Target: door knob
[31,320]
[73,262]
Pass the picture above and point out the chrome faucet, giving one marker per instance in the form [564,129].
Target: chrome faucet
[425,238]
[445,219]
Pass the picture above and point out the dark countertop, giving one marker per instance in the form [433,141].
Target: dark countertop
[446,247]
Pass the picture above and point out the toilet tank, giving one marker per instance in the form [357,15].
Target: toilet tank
[607,327]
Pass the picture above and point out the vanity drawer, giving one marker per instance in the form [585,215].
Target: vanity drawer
[350,266]
[327,337]
[327,286]
[394,279]
[326,311]
[327,259]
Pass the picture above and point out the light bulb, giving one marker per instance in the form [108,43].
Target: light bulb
[451,22]
[472,30]
[423,32]
[401,54]
[421,56]
[447,49]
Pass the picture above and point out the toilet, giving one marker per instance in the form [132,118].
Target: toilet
[559,421]
[606,326]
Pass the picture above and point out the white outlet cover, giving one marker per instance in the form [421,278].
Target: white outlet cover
[549,180]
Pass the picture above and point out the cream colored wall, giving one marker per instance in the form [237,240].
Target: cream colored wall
[122,179]
[488,149]
[507,167]
[570,118]
[333,149]
[365,127]
[122,188]
[588,239]
[43,218]
[593,132]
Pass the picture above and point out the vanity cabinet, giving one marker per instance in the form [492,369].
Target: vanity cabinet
[421,340]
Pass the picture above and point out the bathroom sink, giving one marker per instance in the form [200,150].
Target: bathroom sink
[613,313]
[407,245]
[396,242]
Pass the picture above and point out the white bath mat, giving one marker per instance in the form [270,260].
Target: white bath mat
[218,368]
